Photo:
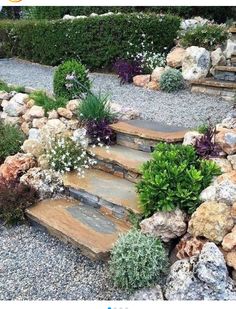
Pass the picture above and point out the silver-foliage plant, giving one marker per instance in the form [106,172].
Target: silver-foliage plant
[171,80]
[137,261]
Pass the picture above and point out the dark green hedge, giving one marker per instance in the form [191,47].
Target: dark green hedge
[95,41]
[218,13]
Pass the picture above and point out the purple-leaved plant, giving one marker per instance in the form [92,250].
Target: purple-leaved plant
[100,132]
[206,146]
[127,69]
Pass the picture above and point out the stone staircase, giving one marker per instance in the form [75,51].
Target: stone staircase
[223,84]
[96,208]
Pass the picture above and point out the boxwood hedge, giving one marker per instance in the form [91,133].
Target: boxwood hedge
[95,41]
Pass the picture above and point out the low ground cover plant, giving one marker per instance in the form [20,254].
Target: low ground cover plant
[174,178]
[11,139]
[14,199]
[48,103]
[5,87]
[206,146]
[71,80]
[207,36]
[171,80]
[137,260]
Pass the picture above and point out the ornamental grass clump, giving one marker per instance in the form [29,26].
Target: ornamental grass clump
[15,197]
[137,261]
[171,80]
[65,154]
[174,178]
[48,103]
[71,80]
[11,139]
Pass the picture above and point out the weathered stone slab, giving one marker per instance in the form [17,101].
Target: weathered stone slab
[83,226]
[109,189]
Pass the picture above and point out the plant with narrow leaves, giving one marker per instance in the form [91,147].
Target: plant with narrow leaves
[174,178]
[206,146]
[137,261]
[11,139]
[95,108]
[127,69]
[14,199]
[48,103]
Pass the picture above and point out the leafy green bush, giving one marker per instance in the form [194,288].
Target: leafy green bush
[71,80]
[41,99]
[137,260]
[11,139]
[171,80]
[95,108]
[208,36]
[174,177]
[14,199]
[95,41]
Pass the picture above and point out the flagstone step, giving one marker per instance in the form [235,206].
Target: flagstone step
[144,134]
[120,161]
[226,73]
[82,225]
[224,89]
[103,190]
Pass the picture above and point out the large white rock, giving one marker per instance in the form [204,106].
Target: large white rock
[196,63]
[217,57]
[230,48]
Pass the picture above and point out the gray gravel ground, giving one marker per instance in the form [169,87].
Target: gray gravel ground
[182,109]
[36,266]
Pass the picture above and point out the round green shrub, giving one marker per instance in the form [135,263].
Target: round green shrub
[137,260]
[11,139]
[68,78]
[171,80]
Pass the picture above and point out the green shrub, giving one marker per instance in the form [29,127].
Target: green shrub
[95,108]
[67,79]
[137,261]
[41,99]
[207,36]
[11,139]
[174,177]
[95,41]
[171,80]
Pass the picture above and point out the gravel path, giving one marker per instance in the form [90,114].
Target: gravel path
[36,266]
[182,109]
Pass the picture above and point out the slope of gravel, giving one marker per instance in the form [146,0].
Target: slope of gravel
[36,266]
[182,109]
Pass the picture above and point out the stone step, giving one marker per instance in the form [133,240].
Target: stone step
[120,161]
[224,89]
[226,73]
[103,190]
[83,226]
[144,134]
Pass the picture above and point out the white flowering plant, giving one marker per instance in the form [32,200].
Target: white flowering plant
[146,56]
[66,154]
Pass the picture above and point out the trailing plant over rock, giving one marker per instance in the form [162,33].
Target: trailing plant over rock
[207,36]
[137,261]
[11,139]
[14,199]
[71,80]
[174,178]
[171,80]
